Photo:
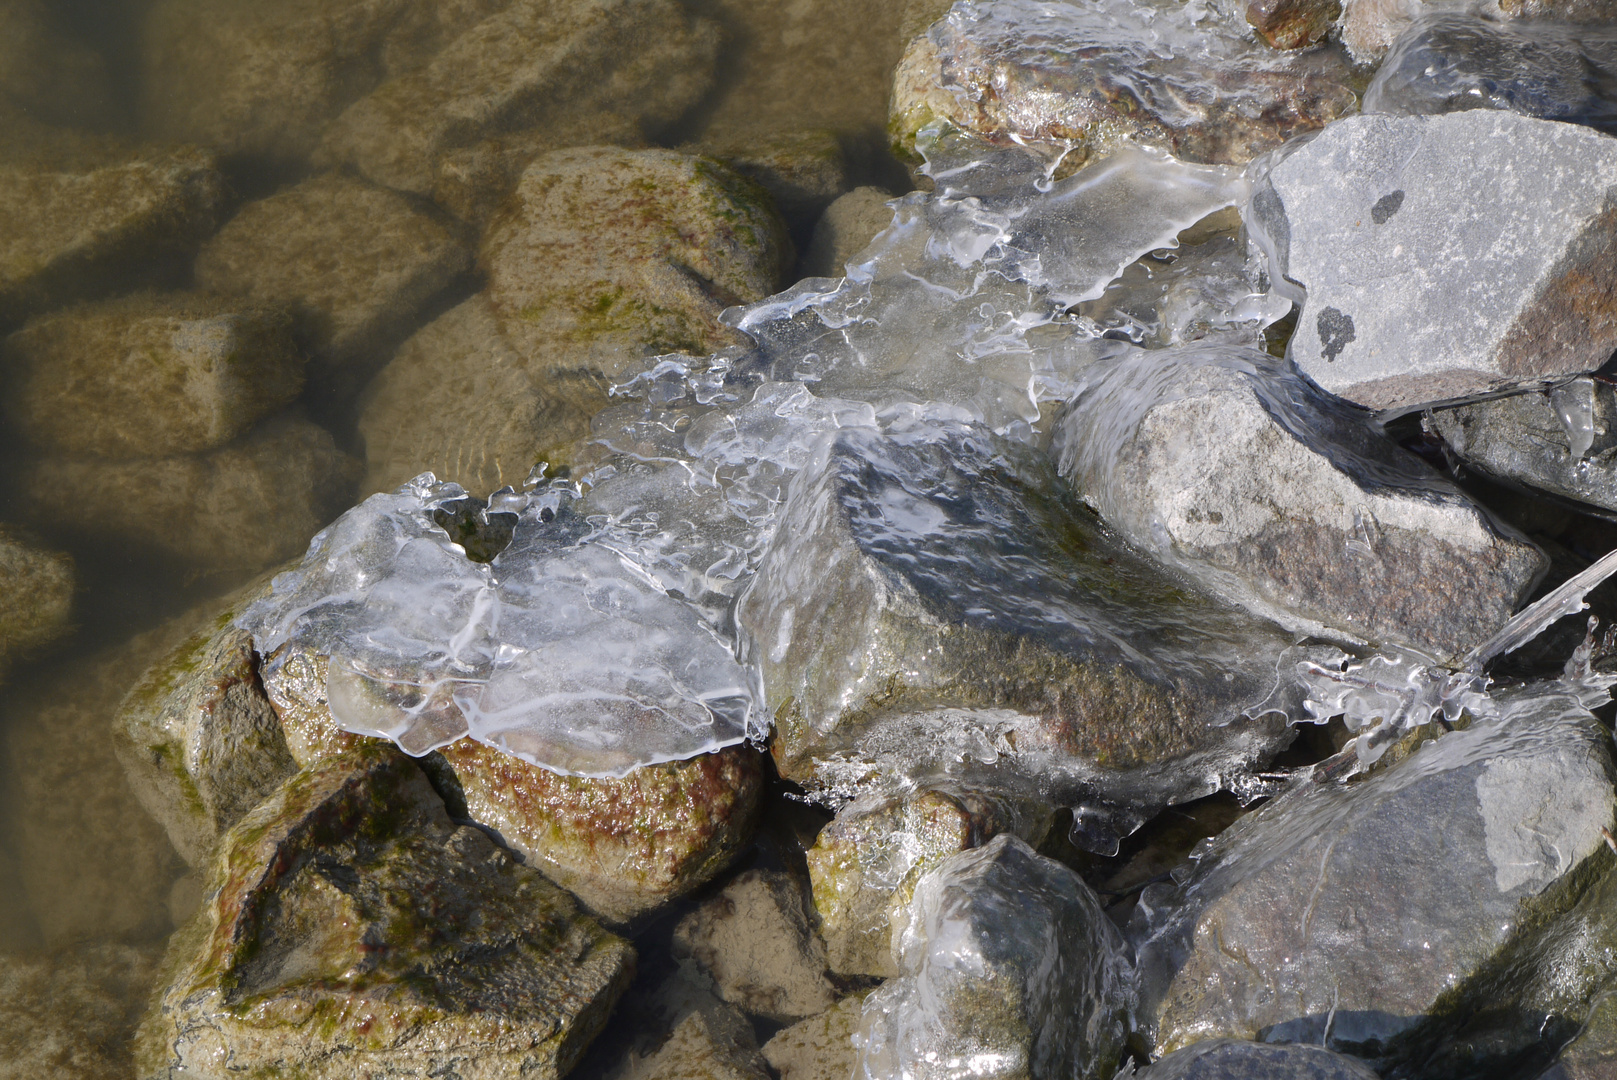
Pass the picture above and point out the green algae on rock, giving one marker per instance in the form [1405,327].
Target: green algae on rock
[353,928]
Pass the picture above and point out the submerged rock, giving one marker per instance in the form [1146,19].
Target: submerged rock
[1237,1059]
[71,1015]
[1377,917]
[864,865]
[150,375]
[47,73]
[1224,463]
[1093,74]
[1011,969]
[845,229]
[36,595]
[354,929]
[821,1047]
[1432,269]
[803,171]
[674,1028]
[538,62]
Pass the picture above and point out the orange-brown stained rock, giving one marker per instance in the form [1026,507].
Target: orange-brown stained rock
[1292,24]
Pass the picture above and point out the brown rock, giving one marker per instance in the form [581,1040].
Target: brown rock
[48,74]
[803,170]
[696,1050]
[1292,24]
[471,182]
[819,1048]
[674,1028]
[71,1015]
[150,375]
[36,594]
[845,229]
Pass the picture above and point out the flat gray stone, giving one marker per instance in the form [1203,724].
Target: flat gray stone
[1435,267]
[1237,1059]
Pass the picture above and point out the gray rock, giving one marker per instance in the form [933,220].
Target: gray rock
[36,595]
[1370,27]
[1433,268]
[70,1015]
[1237,1059]
[1225,464]
[1378,917]
[488,970]
[821,1047]
[355,263]
[1593,1054]
[755,942]
[146,375]
[844,230]
[538,62]
[1009,965]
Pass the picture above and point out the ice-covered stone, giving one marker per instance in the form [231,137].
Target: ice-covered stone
[1238,1059]
[821,1047]
[1370,27]
[1086,76]
[1226,464]
[1011,969]
[1430,267]
[149,375]
[1377,916]
[36,595]
[1292,24]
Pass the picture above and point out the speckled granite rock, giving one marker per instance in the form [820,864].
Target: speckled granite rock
[50,75]
[78,227]
[819,1048]
[244,506]
[622,846]
[1236,1059]
[848,225]
[354,263]
[149,375]
[488,970]
[36,594]
[537,62]
[71,1015]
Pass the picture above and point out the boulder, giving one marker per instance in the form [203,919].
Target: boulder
[355,263]
[149,375]
[845,229]
[36,595]
[1429,269]
[1379,917]
[866,861]
[755,942]
[1227,465]
[81,226]
[353,929]
[46,72]
[1236,1059]
[535,63]
[821,1047]
[1087,77]
[245,506]
[1008,962]
[71,1015]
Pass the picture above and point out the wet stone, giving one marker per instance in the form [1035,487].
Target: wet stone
[845,229]
[1370,27]
[675,1028]
[1095,74]
[149,375]
[1236,1059]
[473,182]
[70,1015]
[1292,24]
[487,969]
[1008,961]
[36,595]
[537,62]
[821,1047]
[1227,465]
[1593,1054]
[1435,270]
[1378,917]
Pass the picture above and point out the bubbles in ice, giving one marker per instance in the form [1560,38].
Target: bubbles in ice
[1574,404]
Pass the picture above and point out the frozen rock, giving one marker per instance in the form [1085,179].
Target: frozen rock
[1236,1059]
[245,506]
[71,1015]
[537,62]
[1433,269]
[755,942]
[36,595]
[458,401]
[484,967]
[865,863]
[263,80]
[1225,464]
[1370,27]
[845,229]
[821,1047]
[149,375]
[47,73]
[81,227]
[605,257]
[1292,24]
[1011,969]
[803,171]
[1593,1054]
[939,604]
[1376,917]
[1084,77]
[355,263]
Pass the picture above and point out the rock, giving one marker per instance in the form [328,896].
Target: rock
[1235,1059]
[472,182]
[458,400]
[484,968]
[355,263]
[78,228]
[1370,27]
[1431,272]
[263,80]
[865,863]
[1377,917]
[821,1047]
[36,595]
[1292,24]
[697,1051]
[605,257]
[1009,961]
[803,171]
[848,225]
[1225,464]
[71,1015]
[890,660]
[755,942]
[537,62]
[1094,75]
[245,506]
[45,72]
[198,738]
[623,846]
[1593,1054]
[146,375]
[672,1027]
